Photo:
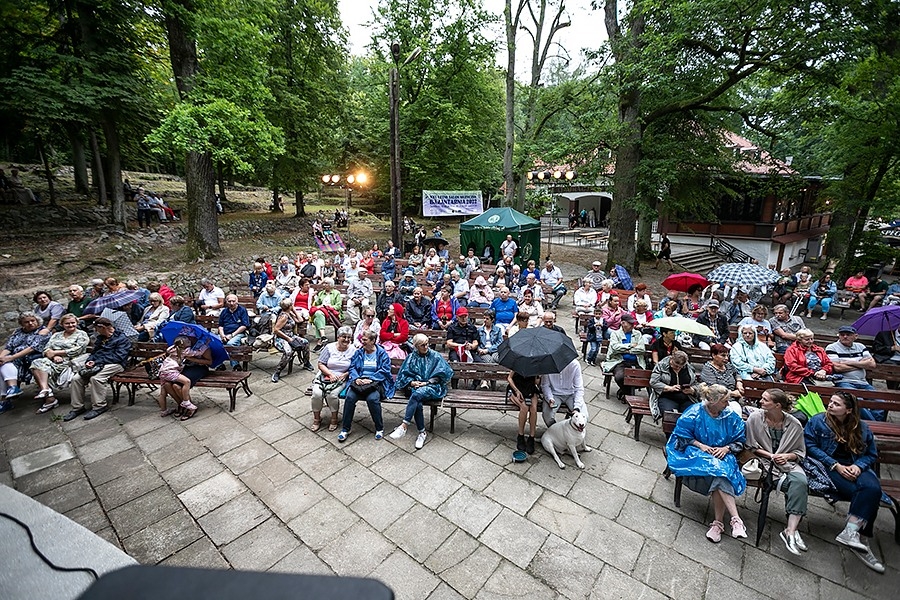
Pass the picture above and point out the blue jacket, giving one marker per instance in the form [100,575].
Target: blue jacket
[382,374]
[829,291]
[112,350]
[821,445]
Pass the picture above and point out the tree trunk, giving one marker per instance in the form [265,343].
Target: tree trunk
[298,200]
[43,153]
[622,215]
[645,238]
[114,172]
[200,174]
[203,220]
[220,175]
[509,178]
[97,170]
[79,163]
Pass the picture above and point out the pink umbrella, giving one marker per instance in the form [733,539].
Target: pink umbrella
[681,282]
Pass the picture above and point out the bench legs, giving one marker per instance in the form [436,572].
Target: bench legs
[637,425]
[678,484]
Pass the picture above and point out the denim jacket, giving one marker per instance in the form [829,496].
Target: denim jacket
[821,445]
[490,340]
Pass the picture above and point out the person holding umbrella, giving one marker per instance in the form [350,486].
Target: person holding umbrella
[776,438]
[524,391]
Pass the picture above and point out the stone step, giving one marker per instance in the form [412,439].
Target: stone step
[698,261]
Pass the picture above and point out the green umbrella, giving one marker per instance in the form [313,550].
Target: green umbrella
[810,403]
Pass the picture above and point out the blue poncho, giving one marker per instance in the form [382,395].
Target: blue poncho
[431,367]
[696,423]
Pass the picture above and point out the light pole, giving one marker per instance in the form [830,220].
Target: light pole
[552,177]
[350,182]
[396,204]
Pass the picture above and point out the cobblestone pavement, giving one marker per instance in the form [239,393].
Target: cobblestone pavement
[256,489]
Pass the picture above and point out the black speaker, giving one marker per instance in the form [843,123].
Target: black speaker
[174,583]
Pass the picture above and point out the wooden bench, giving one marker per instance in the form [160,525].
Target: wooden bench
[136,375]
[886,455]
[638,406]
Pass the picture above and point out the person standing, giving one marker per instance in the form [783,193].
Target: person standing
[508,247]
[665,252]
[110,354]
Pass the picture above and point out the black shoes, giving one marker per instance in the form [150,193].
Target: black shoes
[94,413]
[520,443]
[529,444]
[74,413]
[275,377]
[308,367]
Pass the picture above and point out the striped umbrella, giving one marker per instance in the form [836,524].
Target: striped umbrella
[114,300]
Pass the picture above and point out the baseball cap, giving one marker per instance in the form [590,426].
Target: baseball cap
[283,267]
[462,311]
[713,303]
[847,329]
[596,263]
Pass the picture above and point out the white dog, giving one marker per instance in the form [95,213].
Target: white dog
[565,436]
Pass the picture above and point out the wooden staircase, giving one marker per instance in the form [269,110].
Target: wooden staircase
[698,259]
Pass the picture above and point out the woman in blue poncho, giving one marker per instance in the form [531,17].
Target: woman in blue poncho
[702,450]
[424,375]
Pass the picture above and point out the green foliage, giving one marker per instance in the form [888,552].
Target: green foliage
[869,250]
[234,136]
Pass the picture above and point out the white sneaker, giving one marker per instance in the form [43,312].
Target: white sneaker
[823,317]
[799,543]
[420,440]
[485,385]
[398,433]
[850,538]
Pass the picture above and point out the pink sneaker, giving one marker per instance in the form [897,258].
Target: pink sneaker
[737,528]
[715,532]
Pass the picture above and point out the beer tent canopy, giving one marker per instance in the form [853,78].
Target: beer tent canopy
[494,225]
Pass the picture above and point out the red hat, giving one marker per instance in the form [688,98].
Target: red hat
[462,311]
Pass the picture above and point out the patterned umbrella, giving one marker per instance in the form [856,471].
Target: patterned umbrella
[876,320]
[681,282]
[743,275]
[114,300]
[173,329]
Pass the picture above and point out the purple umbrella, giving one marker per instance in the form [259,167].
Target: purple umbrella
[114,300]
[876,320]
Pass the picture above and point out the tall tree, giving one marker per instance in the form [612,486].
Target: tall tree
[686,58]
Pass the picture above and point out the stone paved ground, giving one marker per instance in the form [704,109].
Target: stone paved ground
[256,489]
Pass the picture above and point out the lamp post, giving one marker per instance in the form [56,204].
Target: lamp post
[396,204]
[349,182]
[551,177]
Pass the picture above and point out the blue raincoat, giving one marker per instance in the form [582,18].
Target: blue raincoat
[431,368]
[696,423]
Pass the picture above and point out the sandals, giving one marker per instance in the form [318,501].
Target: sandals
[168,412]
[317,425]
[48,407]
[334,424]
[44,394]
[188,413]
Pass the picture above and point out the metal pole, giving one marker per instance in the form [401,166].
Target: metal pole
[396,208]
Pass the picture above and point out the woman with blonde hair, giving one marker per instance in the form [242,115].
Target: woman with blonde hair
[703,451]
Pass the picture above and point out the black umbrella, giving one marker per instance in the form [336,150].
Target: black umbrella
[537,351]
[766,486]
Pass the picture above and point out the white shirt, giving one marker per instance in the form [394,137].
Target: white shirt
[634,297]
[585,299]
[460,289]
[568,382]
[508,248]
[551,277]
[211,298]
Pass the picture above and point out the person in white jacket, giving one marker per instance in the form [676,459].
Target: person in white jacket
[565,387]
[751,358]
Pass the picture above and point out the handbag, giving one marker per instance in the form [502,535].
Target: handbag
[153,365]
[365,390]
[818,479]
[87,372]
[752,470]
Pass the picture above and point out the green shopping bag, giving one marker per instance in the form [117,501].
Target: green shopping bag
[810,403]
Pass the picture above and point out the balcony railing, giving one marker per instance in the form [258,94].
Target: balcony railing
[722,248]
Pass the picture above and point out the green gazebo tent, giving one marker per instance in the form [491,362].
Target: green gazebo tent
[493,225]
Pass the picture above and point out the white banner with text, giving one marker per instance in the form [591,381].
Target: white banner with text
[450,204]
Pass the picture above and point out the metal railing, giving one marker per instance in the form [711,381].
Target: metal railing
[722,248]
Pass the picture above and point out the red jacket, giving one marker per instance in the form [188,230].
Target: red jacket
[402,329]
[795,362]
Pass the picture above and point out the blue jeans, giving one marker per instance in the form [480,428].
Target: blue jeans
[868,414]
[414,408]
[372,399]
[478,304]
[825,302]
[864,495]
[593,350]
[236,341]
